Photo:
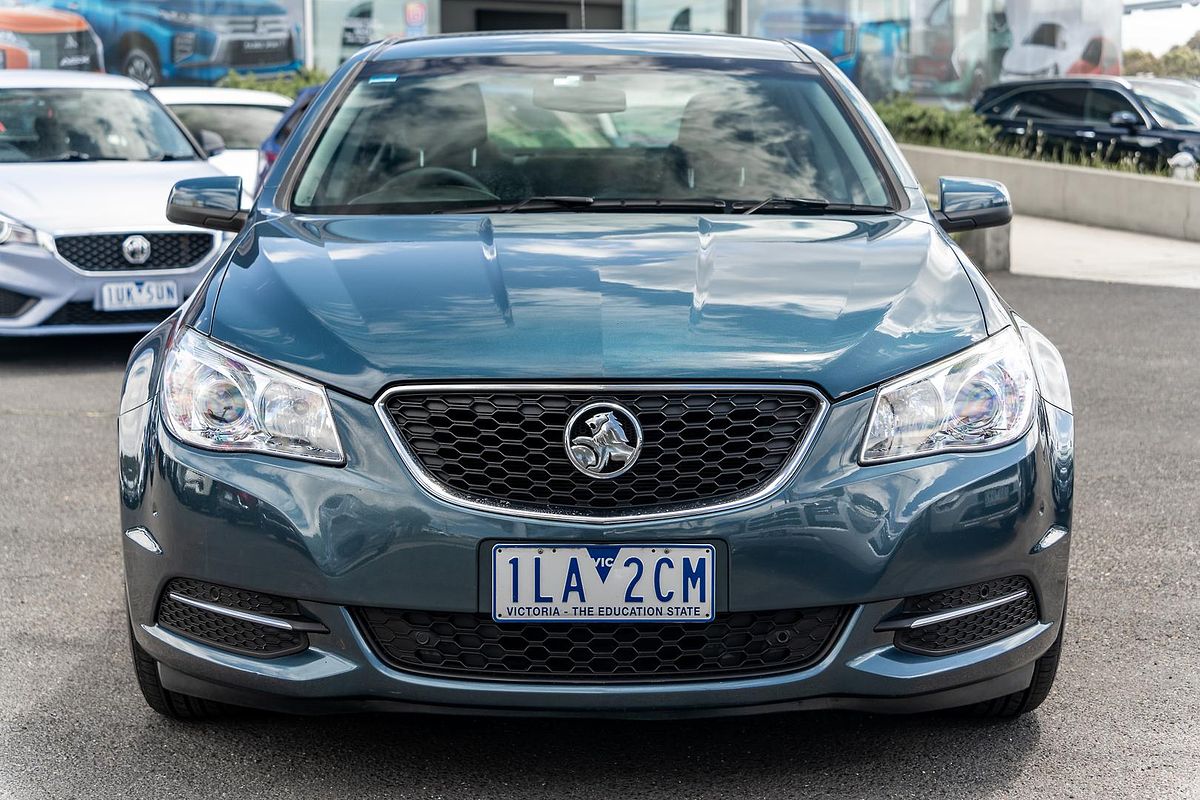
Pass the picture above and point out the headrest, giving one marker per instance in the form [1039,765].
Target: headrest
[440,122]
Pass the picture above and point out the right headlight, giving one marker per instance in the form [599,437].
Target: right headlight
[218,399]
[980,398]
[13,232]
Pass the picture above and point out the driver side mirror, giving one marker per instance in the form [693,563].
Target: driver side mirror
[1125,119]
[212,143]
[967,204]
[214,203]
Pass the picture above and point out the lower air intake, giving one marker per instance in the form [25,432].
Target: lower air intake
[473,646]
[971,630]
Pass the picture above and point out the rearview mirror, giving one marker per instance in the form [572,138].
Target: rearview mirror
[1125,119]
[579,94]
[213,203]
[967,204]
[212,143]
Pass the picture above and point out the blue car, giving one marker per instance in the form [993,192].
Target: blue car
[594,373]
[186,42]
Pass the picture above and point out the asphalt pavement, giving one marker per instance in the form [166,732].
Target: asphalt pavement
[1123,719]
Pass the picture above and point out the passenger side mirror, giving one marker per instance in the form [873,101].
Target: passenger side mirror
[967,204]
[214,203]
[212,143]
[1125,119]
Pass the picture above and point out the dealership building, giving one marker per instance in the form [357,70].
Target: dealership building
[937,49]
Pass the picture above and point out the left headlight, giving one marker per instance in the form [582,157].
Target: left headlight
[980,398]
[218,399]
[13,232]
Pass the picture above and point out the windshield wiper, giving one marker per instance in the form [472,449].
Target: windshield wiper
[554,202]
[814,205]
[78,155]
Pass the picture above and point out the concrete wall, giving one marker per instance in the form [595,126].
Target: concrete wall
[1083,195]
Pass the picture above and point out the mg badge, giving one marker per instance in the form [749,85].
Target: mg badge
[136,249]
[603,440]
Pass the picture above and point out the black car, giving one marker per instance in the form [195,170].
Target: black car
[1148,119]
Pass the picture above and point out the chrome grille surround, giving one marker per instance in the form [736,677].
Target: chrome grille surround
[448,494]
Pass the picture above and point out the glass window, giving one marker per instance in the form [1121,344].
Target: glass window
[1047,104]
[1173,105]
[415,137]
[87,125]
[242,127]
[1103,103]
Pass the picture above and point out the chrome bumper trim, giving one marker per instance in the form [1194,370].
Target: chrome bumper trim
[945,616]
[247,616]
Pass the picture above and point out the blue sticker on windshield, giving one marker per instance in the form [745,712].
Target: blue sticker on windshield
[382,79]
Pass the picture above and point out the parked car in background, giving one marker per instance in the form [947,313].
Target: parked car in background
[182,41]
[1045,52]
[358,28]
[951,61]
[1100,56]
[86,164]
[275,140]
[1146,119]
[244,118]
[708,415]
[42,38]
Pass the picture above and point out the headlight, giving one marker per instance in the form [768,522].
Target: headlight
[13,232]
[221,400]
[983,397]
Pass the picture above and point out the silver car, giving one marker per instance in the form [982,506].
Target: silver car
[86,164]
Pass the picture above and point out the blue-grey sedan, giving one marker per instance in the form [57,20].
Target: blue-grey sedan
[610,374]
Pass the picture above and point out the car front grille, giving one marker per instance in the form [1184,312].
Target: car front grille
[503,447]
[972,630]
[87,314]
[14,304]
[103,252]
[473,646]
[226,632]
[251,26]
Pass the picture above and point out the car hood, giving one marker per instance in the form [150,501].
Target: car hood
[361,303]
[77,197]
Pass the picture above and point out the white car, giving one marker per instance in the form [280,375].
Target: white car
[1046,52]
[243,118]
[87,162]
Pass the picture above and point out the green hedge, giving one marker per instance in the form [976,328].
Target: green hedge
[288,84]
[913,123]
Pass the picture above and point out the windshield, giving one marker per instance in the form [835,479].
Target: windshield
[1173,106]
[87,125]
[242,127]
[423,137]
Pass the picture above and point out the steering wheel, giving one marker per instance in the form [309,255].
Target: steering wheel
[428,176]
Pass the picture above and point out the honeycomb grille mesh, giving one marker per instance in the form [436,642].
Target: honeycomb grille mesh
[972,630]
[506,447]
[472,645]
[102,252]
[87,314]
[227,633]
[13,304]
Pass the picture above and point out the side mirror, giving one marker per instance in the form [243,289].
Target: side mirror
[1125,119]
[967,204]
[212,143]
[214,203]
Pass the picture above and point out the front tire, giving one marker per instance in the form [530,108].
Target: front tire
[1044,671]
[141,65]
[170,704]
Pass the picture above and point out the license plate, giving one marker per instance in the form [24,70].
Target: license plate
[138,294]
[603,583]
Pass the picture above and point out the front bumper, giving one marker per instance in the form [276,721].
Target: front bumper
[55,287]
[367,535]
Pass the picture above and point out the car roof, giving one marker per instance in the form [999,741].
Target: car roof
[219,96]
[1066,80]
[588,43]
[63,79]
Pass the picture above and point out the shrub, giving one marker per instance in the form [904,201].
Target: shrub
[913,123]
[288,84]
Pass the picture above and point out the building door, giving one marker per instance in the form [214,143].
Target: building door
[495,19]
